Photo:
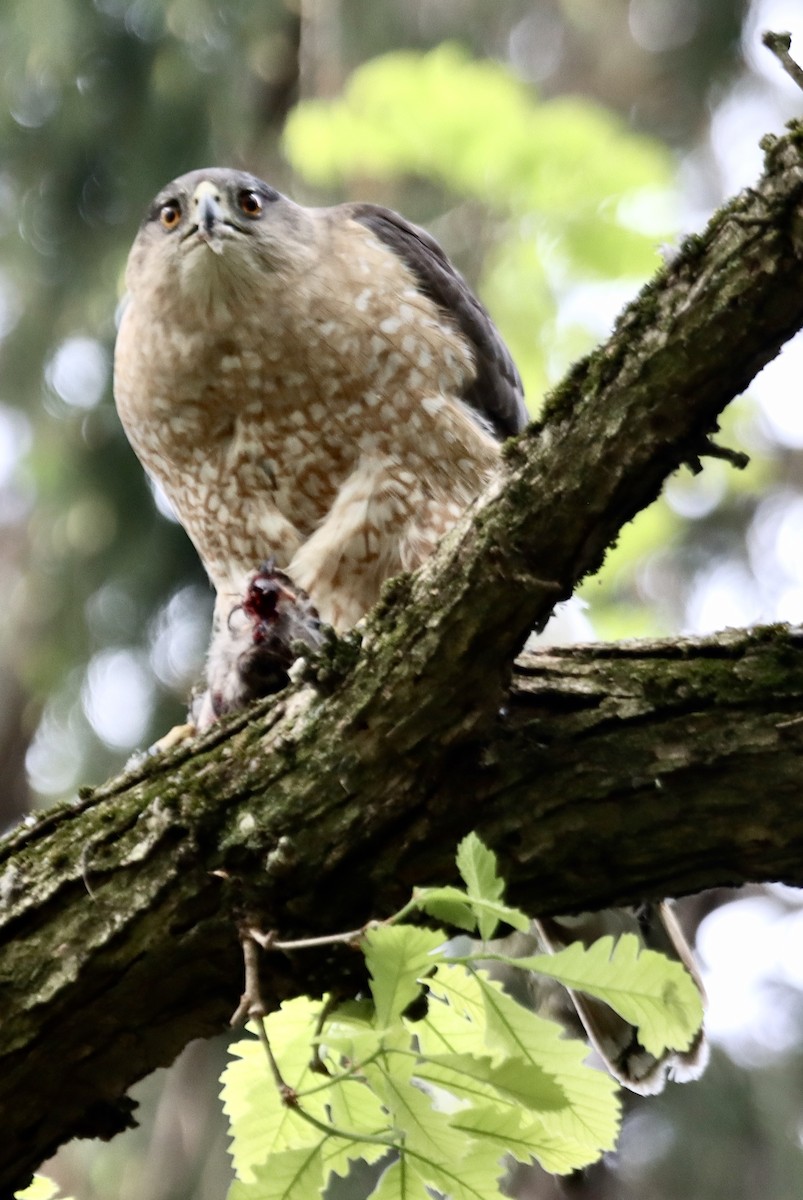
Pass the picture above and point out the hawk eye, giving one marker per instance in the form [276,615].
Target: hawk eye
[250,202]
[170,214]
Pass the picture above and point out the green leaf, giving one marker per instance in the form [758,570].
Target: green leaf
[351,1031]
[420,1126]
[290,1175]
[475,1177]
[40,1188]
[397,956]
[265,1130]
[480,905]
[475,1078]
[443,1156]
[477,864]
[354,1107]
[646,988]
[260,1123]
[447,904]
[456,907]
[455,1020]
[588,1124]
[520,1134]
[399,1182]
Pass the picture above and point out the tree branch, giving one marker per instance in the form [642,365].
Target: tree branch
[780,45]
[605,774]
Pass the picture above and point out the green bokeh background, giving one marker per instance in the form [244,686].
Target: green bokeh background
[553,146]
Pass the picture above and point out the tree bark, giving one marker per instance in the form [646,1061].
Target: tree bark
[600,775]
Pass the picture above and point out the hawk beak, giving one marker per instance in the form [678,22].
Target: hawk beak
[206,205]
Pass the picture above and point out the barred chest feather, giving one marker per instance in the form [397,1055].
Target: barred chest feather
[339,415]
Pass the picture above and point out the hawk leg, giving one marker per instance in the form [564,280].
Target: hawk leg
[380,523]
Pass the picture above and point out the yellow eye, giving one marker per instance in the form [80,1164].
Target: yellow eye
[170,214]
[250,202]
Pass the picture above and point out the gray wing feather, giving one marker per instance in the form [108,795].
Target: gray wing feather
[496,394]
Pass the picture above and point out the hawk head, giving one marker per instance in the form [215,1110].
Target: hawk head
[210,238]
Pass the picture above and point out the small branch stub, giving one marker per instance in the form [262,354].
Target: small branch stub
[251,1003]
[252,1007]
[780,44]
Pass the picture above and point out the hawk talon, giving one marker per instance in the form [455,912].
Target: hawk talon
[168,741]
[254,650]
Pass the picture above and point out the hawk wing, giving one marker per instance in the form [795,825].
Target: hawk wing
[496,393]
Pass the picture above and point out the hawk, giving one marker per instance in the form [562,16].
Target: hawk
[317,384]
[314,386]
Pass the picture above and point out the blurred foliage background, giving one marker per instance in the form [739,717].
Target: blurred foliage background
[553,146]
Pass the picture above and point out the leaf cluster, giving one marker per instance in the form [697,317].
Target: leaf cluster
[438,1076]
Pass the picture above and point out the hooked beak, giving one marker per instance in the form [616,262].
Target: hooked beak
[207,210]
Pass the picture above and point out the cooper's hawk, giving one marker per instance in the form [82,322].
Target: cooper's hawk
[315,384]
[319,386]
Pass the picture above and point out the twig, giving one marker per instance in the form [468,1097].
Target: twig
[251,1002]
[710,449]
[253,1006]
[737,458]
[779,44]
[794,723]
[352,937]
[316,1062]
[287,1093]
[268,941]
[349,1135]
